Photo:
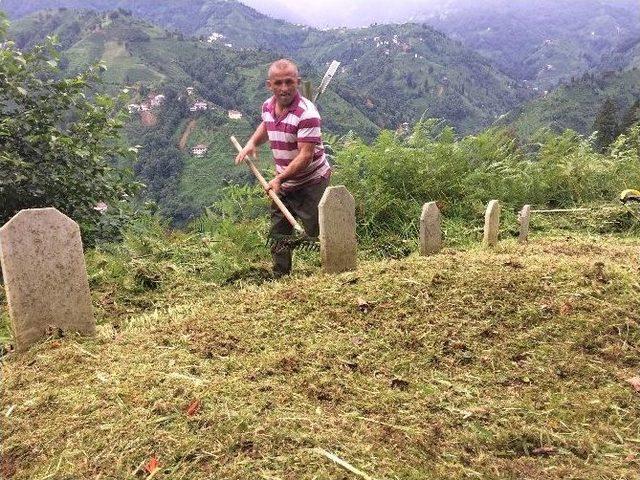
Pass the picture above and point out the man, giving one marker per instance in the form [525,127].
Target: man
[291,124]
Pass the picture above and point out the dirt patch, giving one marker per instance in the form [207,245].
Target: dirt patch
[185,135]
[148,119]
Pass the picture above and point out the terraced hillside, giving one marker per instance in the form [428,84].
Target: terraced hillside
[576,104]
[506,364]
[391,74]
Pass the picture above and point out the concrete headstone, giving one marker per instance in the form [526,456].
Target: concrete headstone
[430,229]
[523,217]
[337,218]
[45,275]
[492,224]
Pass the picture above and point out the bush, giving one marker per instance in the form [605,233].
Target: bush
[59,140]
[392,178]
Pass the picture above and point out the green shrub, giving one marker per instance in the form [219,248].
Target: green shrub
[59,141]
[392,178]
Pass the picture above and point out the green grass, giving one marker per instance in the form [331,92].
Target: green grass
[123,68]
[84,53]
[203,177]
[470,364]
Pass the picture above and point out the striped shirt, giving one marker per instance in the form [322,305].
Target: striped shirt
[300,122]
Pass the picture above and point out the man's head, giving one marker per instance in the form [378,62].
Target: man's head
[283,80]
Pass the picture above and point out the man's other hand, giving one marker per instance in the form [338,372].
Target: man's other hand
[249,149]
[274,185]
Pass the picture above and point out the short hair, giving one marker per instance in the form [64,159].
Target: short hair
[282,64]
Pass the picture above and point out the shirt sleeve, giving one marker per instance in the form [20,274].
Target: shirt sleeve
[309,127]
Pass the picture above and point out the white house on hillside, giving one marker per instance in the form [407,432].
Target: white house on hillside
[157,100]
[199,150]
[198,106]
[234,114]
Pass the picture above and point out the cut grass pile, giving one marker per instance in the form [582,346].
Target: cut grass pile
[469,364]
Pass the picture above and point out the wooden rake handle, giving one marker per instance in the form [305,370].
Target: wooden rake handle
[285,211]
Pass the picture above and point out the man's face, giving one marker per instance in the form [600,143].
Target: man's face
[283,83]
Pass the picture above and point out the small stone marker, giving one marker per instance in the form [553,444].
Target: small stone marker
[430,229]
[337,218]
[523,218]
[492,224]
[45,275]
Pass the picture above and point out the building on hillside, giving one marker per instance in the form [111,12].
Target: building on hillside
[133,107]
[157,100]
[190,91]
[199,150]
[101,207]
[197,106]
[215,36]
[403,129]
[234,114]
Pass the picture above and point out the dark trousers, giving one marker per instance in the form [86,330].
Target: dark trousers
[303,204]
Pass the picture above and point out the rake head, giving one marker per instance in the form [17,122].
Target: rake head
[281,243]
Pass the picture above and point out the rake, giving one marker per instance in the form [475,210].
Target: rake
[280,242]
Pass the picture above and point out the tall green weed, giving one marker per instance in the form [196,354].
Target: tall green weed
[393,177]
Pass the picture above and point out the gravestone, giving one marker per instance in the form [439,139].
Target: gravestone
[430,229]
[45,275]
[337,218]
[492,224]
[523,217]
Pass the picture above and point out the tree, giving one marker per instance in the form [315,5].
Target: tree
[606,124]
[58,139]
[631,117]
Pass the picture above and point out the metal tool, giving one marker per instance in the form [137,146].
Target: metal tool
[331,71]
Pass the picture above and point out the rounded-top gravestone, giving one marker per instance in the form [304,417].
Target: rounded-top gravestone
[45,275]
[337,219]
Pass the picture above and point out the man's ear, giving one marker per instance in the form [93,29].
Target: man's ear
[267,83]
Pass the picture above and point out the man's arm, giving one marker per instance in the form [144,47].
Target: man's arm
[297,165]
[259,137]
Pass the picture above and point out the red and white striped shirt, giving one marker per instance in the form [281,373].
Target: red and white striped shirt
[300,122]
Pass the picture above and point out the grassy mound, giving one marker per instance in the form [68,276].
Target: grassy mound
[504,364]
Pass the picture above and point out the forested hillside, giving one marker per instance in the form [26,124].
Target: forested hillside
[624,57]
[408,71]
[542,41]
[576,104]
[392,74]
[241,26]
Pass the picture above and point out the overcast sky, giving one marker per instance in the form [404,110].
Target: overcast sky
[351,13]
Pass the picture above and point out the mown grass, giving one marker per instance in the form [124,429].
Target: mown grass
[470,364]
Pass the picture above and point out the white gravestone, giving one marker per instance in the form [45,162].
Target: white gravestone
[430,229]
[337,219]
[523,217]
[492,224]
[45,275]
